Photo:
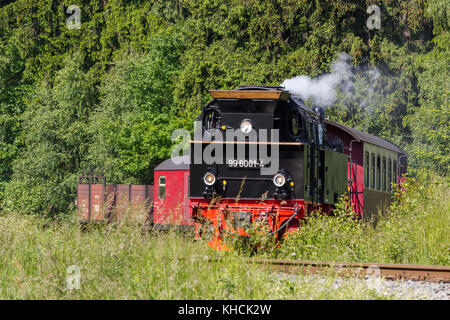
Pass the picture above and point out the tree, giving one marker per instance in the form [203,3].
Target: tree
[13,92]
[56,138]
[430,124]
[137,114]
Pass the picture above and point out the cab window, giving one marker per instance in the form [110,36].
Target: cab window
[295,124]
[211,120]
[313,134]
[320,133]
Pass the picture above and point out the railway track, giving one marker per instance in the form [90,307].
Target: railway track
[357,269]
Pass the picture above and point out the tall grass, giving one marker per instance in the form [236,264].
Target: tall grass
[121,262]
[417,231]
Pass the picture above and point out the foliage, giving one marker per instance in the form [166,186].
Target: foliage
[147,66]
[13,92]
[56,138]
[133,124]
[431,148]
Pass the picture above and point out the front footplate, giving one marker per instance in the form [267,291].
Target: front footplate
[233,220]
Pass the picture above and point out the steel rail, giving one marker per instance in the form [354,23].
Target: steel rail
[358,269]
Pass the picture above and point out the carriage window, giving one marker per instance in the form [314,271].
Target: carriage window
[372,178]
[389,174]
[162,188]
[395,172]
[384,173]
[295,123]
[366,170]
[378,172]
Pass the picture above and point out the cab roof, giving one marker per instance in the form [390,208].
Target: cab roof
[174,164]
[252,92]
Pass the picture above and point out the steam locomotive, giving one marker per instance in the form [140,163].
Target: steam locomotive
[260,154]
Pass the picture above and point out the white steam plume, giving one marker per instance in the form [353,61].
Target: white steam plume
[323,89]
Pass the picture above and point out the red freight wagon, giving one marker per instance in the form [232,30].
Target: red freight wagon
[99,202]
[91,201]
[132,201]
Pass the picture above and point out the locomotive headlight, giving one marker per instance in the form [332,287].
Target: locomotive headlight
[279,179]
[209,179]
[246,126]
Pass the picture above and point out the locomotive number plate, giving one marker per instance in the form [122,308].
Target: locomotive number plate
[244,163]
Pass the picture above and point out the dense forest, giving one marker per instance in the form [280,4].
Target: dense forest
[109,93]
